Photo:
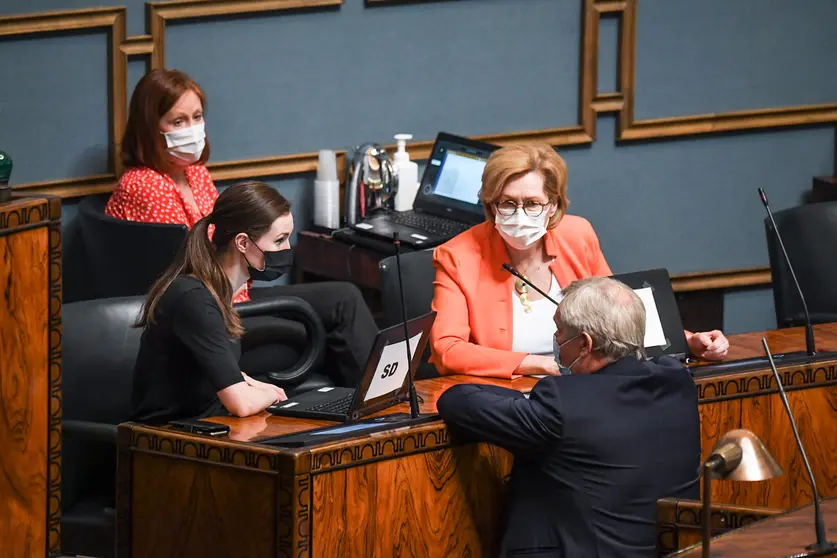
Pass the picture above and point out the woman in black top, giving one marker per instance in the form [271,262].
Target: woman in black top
[187,366]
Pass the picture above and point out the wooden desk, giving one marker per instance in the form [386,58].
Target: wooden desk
[318,257]
[410,492]
[751,400]
[181,495]
[30,376]
[781,536]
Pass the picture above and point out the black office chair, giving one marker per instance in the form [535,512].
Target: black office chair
[125,257]
[98,351]
[418,274]
[99,348]
[810,236]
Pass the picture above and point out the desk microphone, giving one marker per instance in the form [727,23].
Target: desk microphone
[520,276]
[414,408]
[822,543]
[809,329]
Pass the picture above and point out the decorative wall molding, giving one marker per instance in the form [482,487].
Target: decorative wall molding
[726,279]
[630,129]
[111,20]
[591,101]
[161,12]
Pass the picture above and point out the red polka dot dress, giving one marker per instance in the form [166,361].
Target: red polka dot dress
[146,196]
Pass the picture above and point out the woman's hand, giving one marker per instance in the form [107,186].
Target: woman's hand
[709,345]
[279,392]
[534,365]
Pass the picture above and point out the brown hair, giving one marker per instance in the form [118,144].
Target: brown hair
[156,93]
[249,208]
[508,163]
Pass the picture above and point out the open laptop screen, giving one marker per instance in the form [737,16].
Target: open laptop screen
[452,179]
[459,177]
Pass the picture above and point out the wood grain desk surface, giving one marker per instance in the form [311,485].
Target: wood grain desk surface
[782,536]
[747,345]
[299,494]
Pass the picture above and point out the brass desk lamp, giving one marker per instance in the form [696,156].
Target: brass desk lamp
[739,455]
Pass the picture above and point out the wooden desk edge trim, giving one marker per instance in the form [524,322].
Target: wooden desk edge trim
[674,514]
[253,456]
[733,531]
[761,382]
[371,449]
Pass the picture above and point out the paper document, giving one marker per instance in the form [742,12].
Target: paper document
[392,368]
[654,336]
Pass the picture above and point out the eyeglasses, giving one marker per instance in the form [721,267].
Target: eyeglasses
[531,208]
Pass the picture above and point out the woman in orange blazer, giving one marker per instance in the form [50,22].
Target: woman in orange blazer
[490,324]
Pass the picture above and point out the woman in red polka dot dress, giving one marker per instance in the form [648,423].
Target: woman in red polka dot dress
[164,151]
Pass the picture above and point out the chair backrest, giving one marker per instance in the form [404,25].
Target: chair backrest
[418,274]
[125,257]
[99,348]
[809,233]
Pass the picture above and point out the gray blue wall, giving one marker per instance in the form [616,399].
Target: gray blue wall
[287,83]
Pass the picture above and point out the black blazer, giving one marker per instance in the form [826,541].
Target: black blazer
[593,454]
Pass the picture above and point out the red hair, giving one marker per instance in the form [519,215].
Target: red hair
[156,93]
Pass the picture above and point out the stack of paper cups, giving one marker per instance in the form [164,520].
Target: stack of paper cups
[327,191]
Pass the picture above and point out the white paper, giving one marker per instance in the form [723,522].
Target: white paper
[392,368]
[288,405]
[364,226]
[325,389]
[654,335]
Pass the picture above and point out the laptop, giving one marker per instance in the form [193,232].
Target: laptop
[447,202]
[385,382]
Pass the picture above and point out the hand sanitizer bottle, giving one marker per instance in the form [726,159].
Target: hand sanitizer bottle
[407,175]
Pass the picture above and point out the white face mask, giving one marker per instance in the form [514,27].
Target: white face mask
[186,144]
[519,230]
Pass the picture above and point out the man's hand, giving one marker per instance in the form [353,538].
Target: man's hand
[709,345]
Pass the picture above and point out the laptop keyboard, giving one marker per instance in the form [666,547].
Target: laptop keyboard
[337,406]
[436,226]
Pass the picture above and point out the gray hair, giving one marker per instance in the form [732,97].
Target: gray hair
[609,311]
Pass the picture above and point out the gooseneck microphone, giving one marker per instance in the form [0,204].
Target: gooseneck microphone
[520,276]
[809,329]
[414,408]
[822,543]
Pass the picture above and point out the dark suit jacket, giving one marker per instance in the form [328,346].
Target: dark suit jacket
[593,454]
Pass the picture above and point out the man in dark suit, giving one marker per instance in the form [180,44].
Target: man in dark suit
[596,447]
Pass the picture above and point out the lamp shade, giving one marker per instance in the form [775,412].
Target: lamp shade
[740,455]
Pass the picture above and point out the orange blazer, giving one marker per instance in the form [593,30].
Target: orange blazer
[472,298]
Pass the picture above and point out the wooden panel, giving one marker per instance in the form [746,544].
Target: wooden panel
[441,503]
[24,391]
[198,498]
[783,535]
[765,416]
[680,522]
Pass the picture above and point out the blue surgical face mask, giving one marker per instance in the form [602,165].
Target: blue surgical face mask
[556,351]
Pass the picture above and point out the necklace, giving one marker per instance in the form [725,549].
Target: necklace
[523,294]
[522,288]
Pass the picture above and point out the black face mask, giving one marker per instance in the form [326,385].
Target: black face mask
[276,264]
